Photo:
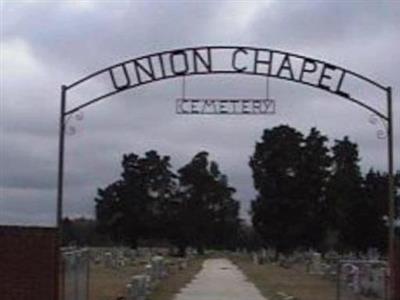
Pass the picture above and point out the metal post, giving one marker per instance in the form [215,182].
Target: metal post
[183,87]
[76,270]
[87,274]
[61,137]
[61,159]
[338,287]
[391,250]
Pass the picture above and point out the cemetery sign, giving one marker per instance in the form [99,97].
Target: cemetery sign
[215,60]
[225,106]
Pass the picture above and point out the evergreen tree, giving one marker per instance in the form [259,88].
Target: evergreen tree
[376,209]
[148,203]
[346,203]
[209,214]
[372,215]
[137,206]
[278,214]
[109,207]
[313,178]
[309,197]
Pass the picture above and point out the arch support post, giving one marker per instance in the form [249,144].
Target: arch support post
[60,175]
[393,247]
[60,185]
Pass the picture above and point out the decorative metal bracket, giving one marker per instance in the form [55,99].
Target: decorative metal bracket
[69,128]
[378,121]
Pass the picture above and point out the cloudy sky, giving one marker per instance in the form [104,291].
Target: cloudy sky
[47,44]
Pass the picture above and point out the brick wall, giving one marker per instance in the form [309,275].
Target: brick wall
[28,263]
[396,277]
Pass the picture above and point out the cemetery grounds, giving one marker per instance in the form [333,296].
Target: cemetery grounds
[275,281]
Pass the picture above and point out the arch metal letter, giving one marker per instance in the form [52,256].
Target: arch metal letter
[172,62]
[126,75]
[234,57]
[207,63]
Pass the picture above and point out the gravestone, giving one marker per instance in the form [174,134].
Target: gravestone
[316,264]
[137,289]
[256,259]
[108,260]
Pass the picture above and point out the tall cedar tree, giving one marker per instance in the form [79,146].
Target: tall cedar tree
[290,174]
[209,213]
[278,213]
[374,211]
[313,178]
[346,204]
[377,208]
[137,206]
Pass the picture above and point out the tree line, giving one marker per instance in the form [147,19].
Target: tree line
[309,194]
[194,207]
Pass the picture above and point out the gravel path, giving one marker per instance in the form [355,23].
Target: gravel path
[219,279]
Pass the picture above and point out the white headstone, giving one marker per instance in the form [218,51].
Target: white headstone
[316,264]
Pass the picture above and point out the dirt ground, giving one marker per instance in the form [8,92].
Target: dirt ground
[271,279]
[108,284]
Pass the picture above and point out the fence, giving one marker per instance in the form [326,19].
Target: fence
[76,272]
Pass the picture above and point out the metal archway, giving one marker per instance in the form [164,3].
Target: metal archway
[242,60]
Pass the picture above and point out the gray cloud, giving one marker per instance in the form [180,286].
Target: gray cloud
[46,44]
